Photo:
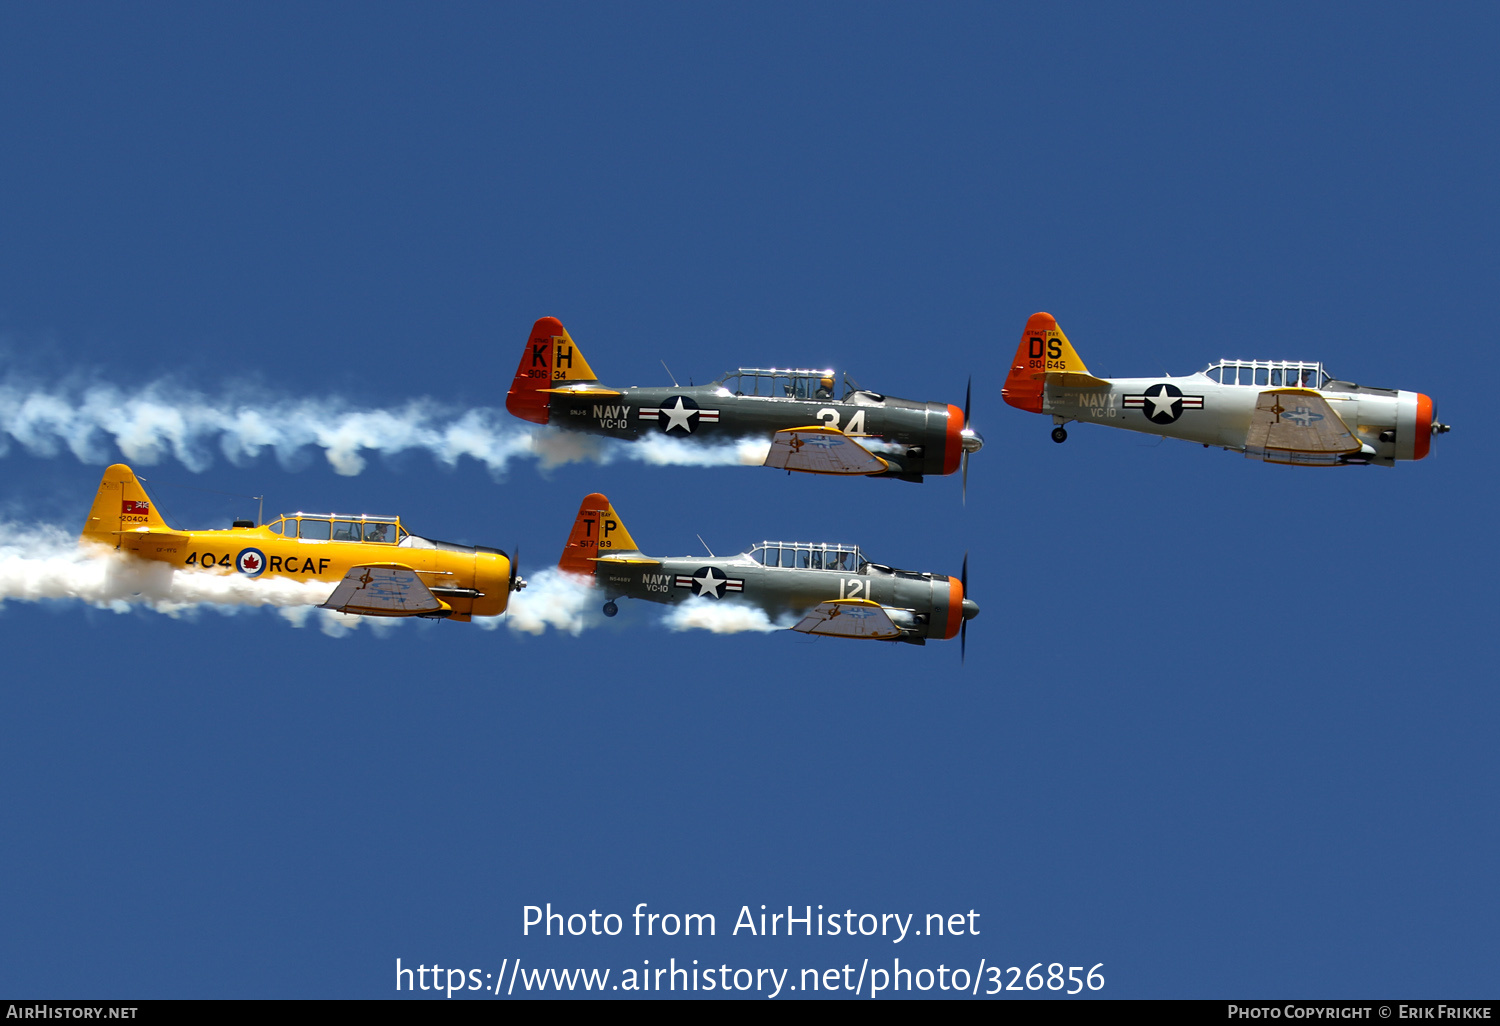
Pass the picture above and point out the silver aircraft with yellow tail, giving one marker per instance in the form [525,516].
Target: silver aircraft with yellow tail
[1279,411]
[830,590]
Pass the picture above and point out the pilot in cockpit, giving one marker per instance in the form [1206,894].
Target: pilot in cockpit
[825,388]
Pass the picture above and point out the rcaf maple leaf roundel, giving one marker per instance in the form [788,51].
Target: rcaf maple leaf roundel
[250,562]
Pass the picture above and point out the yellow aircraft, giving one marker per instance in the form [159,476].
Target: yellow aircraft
[382,569]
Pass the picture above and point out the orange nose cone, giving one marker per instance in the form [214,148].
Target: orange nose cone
[955,608]
[953,442]
[1423,441]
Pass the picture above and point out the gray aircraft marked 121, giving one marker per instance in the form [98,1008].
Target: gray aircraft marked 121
[1279,411]
[811,430]
[833,589]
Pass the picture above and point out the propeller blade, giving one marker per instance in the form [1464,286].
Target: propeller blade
[968,393]
[963,628]
[515,572]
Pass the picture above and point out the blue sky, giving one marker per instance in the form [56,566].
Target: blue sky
[1224,727]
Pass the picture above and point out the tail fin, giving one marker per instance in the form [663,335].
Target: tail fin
[121,504]
[551,359]
[1044,350]
[597,531]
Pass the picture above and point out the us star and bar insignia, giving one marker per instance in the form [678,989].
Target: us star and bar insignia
[679,412]
[710,581]
[1163,404]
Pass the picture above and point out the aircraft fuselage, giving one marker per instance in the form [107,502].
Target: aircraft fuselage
[915,438]
[1198,409]
[923,605]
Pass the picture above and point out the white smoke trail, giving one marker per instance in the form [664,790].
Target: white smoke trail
[161,420]
[45,562]
[40,561]
[552,598]
[570,602]
[679,452]
[719,617]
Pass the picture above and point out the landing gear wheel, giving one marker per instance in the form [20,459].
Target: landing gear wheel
[1059,434]
[610,609]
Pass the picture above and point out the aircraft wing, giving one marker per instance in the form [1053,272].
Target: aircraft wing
[848,618]
[822,450]
[383,589]
[1295,425]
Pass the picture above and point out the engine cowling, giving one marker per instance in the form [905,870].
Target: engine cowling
[492,577]
[1414,420]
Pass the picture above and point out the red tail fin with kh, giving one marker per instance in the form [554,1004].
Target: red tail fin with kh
[550,361]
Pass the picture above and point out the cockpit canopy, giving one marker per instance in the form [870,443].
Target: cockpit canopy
[810,556]
[1269,373]
[345,527]
[786,384]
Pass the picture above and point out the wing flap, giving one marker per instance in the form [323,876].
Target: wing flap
[1296,425]
[383,589]
[849,618]
[822,450]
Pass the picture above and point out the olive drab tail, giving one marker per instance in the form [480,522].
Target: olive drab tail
[1044,351]
[598,531]
[551,361]
[121,504]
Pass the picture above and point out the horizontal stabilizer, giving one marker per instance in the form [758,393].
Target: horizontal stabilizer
[587,390]
[146,542]
[1070,380]
[633,560]
[156,534]
[849,618]
[1296,425]
[383,589]
[822,450]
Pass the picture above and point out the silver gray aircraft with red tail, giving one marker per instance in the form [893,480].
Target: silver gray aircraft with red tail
[808,426]
[831,590]
[1279,411]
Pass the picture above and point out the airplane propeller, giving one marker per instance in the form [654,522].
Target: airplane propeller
[963,583]
[973,441]
[517,582]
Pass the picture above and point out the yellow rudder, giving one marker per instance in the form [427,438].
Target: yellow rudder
[598,531]
[121,504]
[568,364]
